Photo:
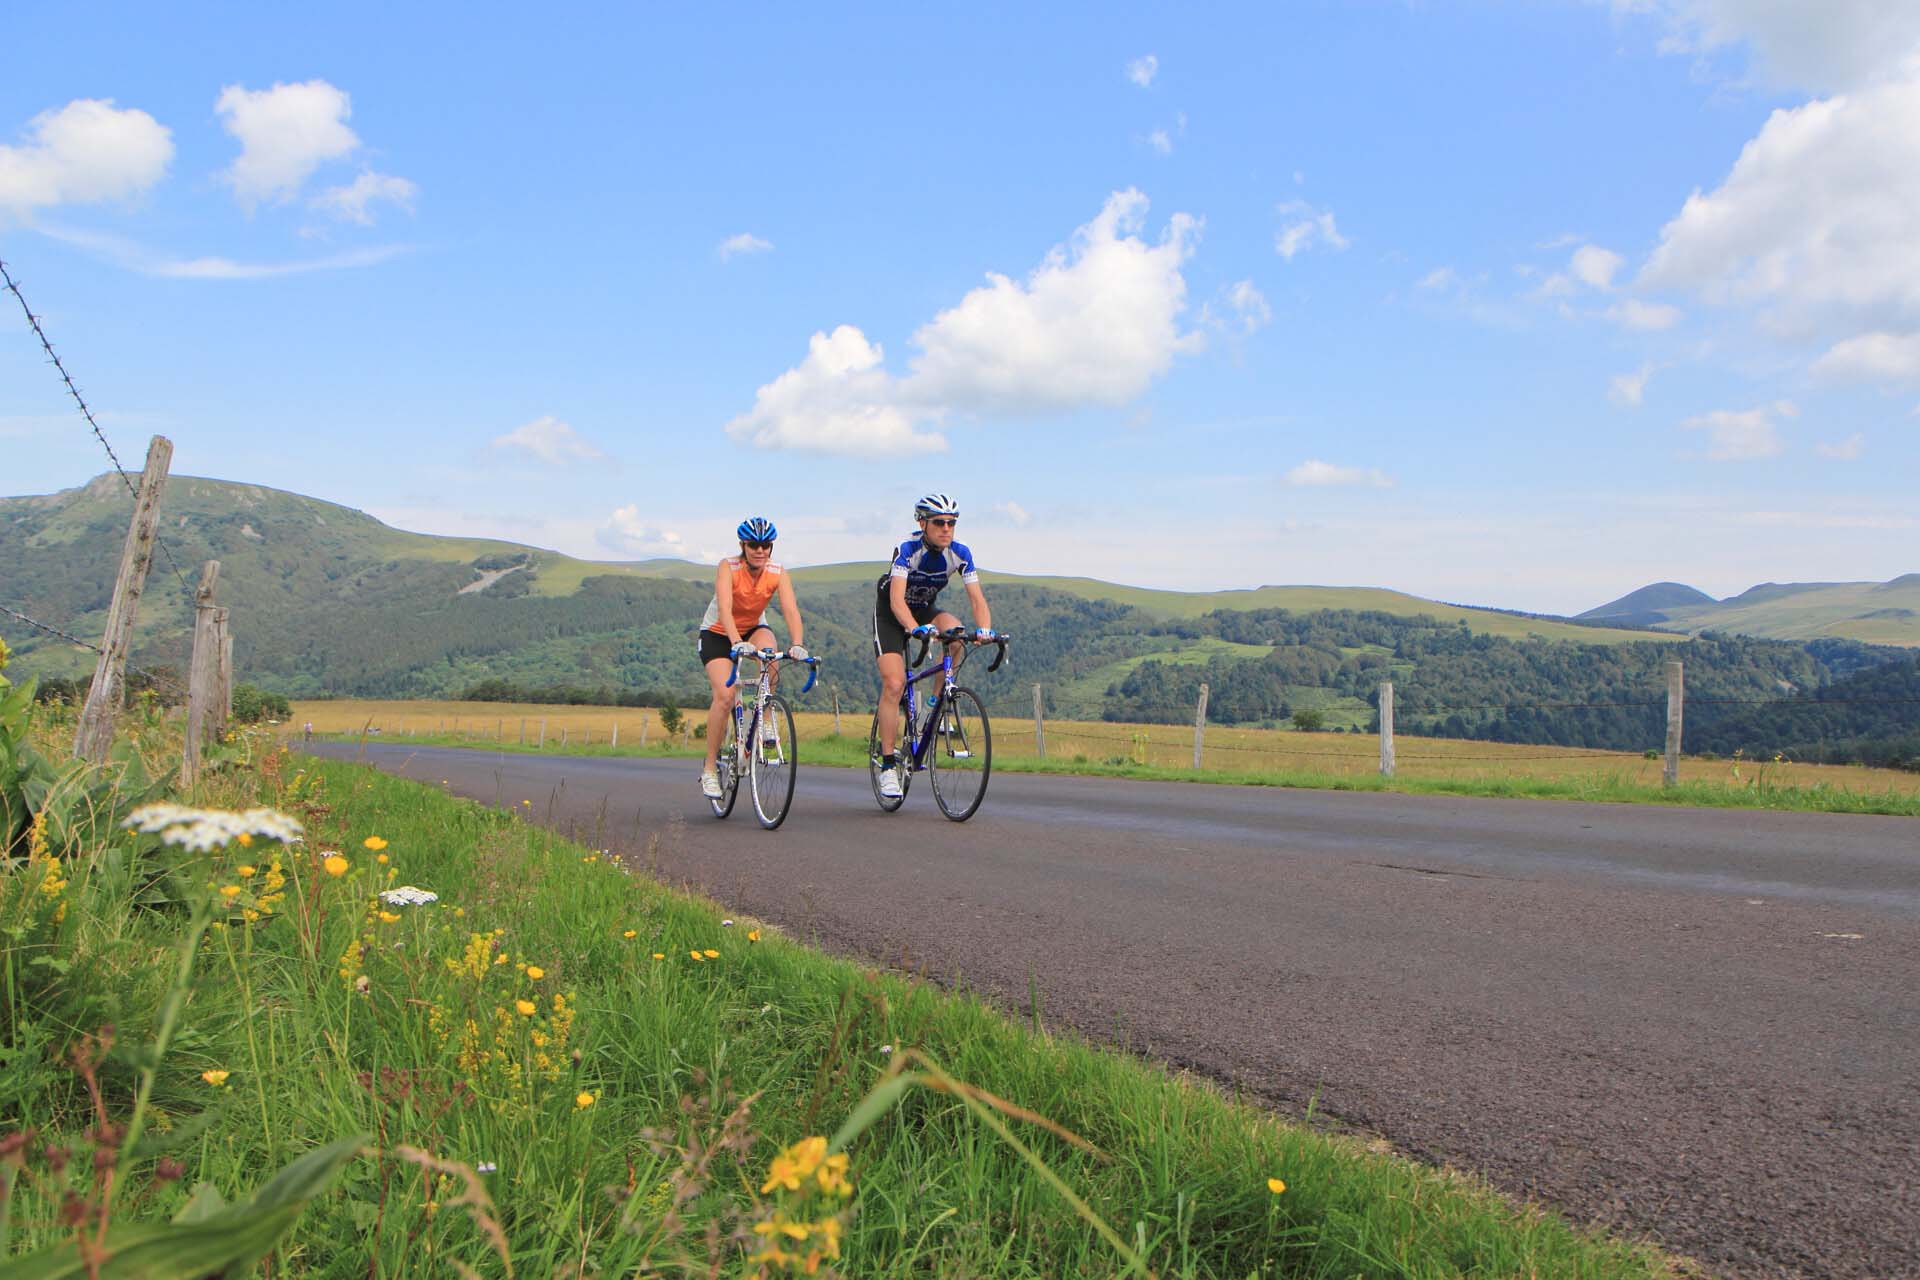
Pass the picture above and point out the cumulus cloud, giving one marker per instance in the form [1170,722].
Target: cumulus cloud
[1630,389]
[1093,324]
[1819,215]
[1594,267]
[1314,473]
[351,202]
[744,243]
[1885,357]
[1742,435]
[550,440]
[1633,313]
[1249,304]
[1843,450]
[625,533]
[1160,142]
[1014,513]
[1305,228]
[1142,70]
[88,150]
[1832,44]
[285,133]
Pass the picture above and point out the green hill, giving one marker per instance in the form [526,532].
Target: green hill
[1871,612]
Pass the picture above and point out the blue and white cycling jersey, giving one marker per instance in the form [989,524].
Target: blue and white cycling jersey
[928,571]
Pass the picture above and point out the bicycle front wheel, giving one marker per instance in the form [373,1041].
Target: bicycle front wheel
[773,762]
[889,803]
[727,767]
[960,758]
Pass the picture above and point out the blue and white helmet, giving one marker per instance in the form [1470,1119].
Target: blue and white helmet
[935,504]
[756,529]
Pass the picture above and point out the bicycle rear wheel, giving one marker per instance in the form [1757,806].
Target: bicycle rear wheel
[727,767]
[888,803]
[960,758]
[772,762]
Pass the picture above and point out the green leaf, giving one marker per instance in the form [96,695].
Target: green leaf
[879,1100]
[206,1202]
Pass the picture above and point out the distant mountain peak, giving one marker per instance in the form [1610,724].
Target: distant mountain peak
[1647,603]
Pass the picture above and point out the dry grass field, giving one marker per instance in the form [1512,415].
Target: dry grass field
[1227,750]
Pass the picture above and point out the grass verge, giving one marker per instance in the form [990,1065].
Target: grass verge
[1754,787]
[565,1062]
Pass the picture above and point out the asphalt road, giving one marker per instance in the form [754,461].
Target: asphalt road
[1701,1026]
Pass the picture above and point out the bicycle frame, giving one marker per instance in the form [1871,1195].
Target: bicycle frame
[743,727]
[922,742]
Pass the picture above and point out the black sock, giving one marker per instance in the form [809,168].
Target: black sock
[887,761]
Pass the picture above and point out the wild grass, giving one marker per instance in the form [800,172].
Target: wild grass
[1246,757]
[561,1062]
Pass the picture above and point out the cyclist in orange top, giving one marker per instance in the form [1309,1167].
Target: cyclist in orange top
[736,625]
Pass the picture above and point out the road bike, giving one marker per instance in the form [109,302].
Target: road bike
[760,742]
[954,745]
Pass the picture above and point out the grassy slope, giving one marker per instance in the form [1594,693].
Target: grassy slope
[1875,612]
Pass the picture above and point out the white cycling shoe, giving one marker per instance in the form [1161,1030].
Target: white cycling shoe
[710,784]
[890,784]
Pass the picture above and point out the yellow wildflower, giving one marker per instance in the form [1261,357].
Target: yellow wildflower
[246,873]
[535,972]
[659,955]
[1276,1186]
[335,865]
[229,891]
[215,1077]
[796,1164]
[630,933]
[526,1007]
[244,838]
[388,917]
[753,935]
[583,1100]
[382,859]
[712,954]
[697,956]
[374,843]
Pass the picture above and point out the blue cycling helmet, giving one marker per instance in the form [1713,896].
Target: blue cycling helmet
[935,504]
[756,529]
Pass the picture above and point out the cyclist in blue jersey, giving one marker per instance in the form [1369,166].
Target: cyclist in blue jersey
[905,605]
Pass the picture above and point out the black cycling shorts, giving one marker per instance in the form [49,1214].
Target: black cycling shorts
[888,635]
[714,644]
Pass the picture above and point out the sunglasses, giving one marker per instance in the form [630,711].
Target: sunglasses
[943,524]
[758,546]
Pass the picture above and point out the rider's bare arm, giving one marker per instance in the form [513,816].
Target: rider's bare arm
[977,602]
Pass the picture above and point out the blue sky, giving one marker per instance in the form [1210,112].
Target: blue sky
[1505,303]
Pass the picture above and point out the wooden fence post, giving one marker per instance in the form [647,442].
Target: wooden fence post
[1386,728]
[94,737]
[202,672]
[523,731]
[563,737]
[643,730]
[1199,726]
[225,695]
[836,710]
[542,744]
[1676,706]
[614,739]
[1039,724]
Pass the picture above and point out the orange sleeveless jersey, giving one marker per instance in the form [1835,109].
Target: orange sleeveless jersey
[750,598]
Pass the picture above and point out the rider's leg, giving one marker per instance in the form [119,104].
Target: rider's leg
[718,710]
[893,682]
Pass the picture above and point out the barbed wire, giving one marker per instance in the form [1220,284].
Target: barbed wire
[157,677]
[46,345]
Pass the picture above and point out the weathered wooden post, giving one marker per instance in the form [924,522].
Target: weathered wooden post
[523,731]
[1386,728]
[203,671]
[542,744]
[1676,706]
[643,730]
[613,739]
[836,710]
[1039,724]
[226,667]
[1199,726]
[94,737]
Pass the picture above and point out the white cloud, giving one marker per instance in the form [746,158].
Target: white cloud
[1636,314]
[1630,389]
[1815,44]
[745,242]
[1160,142]
[1594,266]
[1890,357]
[1820,213]
[625,533]
[1249,304]
[88,150]
[1845,450]
[550,440]
[1314,473]
[134,257]
[285,133]
[350,202]
[1014,512]
[1307,228]
[1742,435]
[1093,324]
[1439,278]
[1142,70]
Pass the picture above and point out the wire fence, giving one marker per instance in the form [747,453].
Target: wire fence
[159,679]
